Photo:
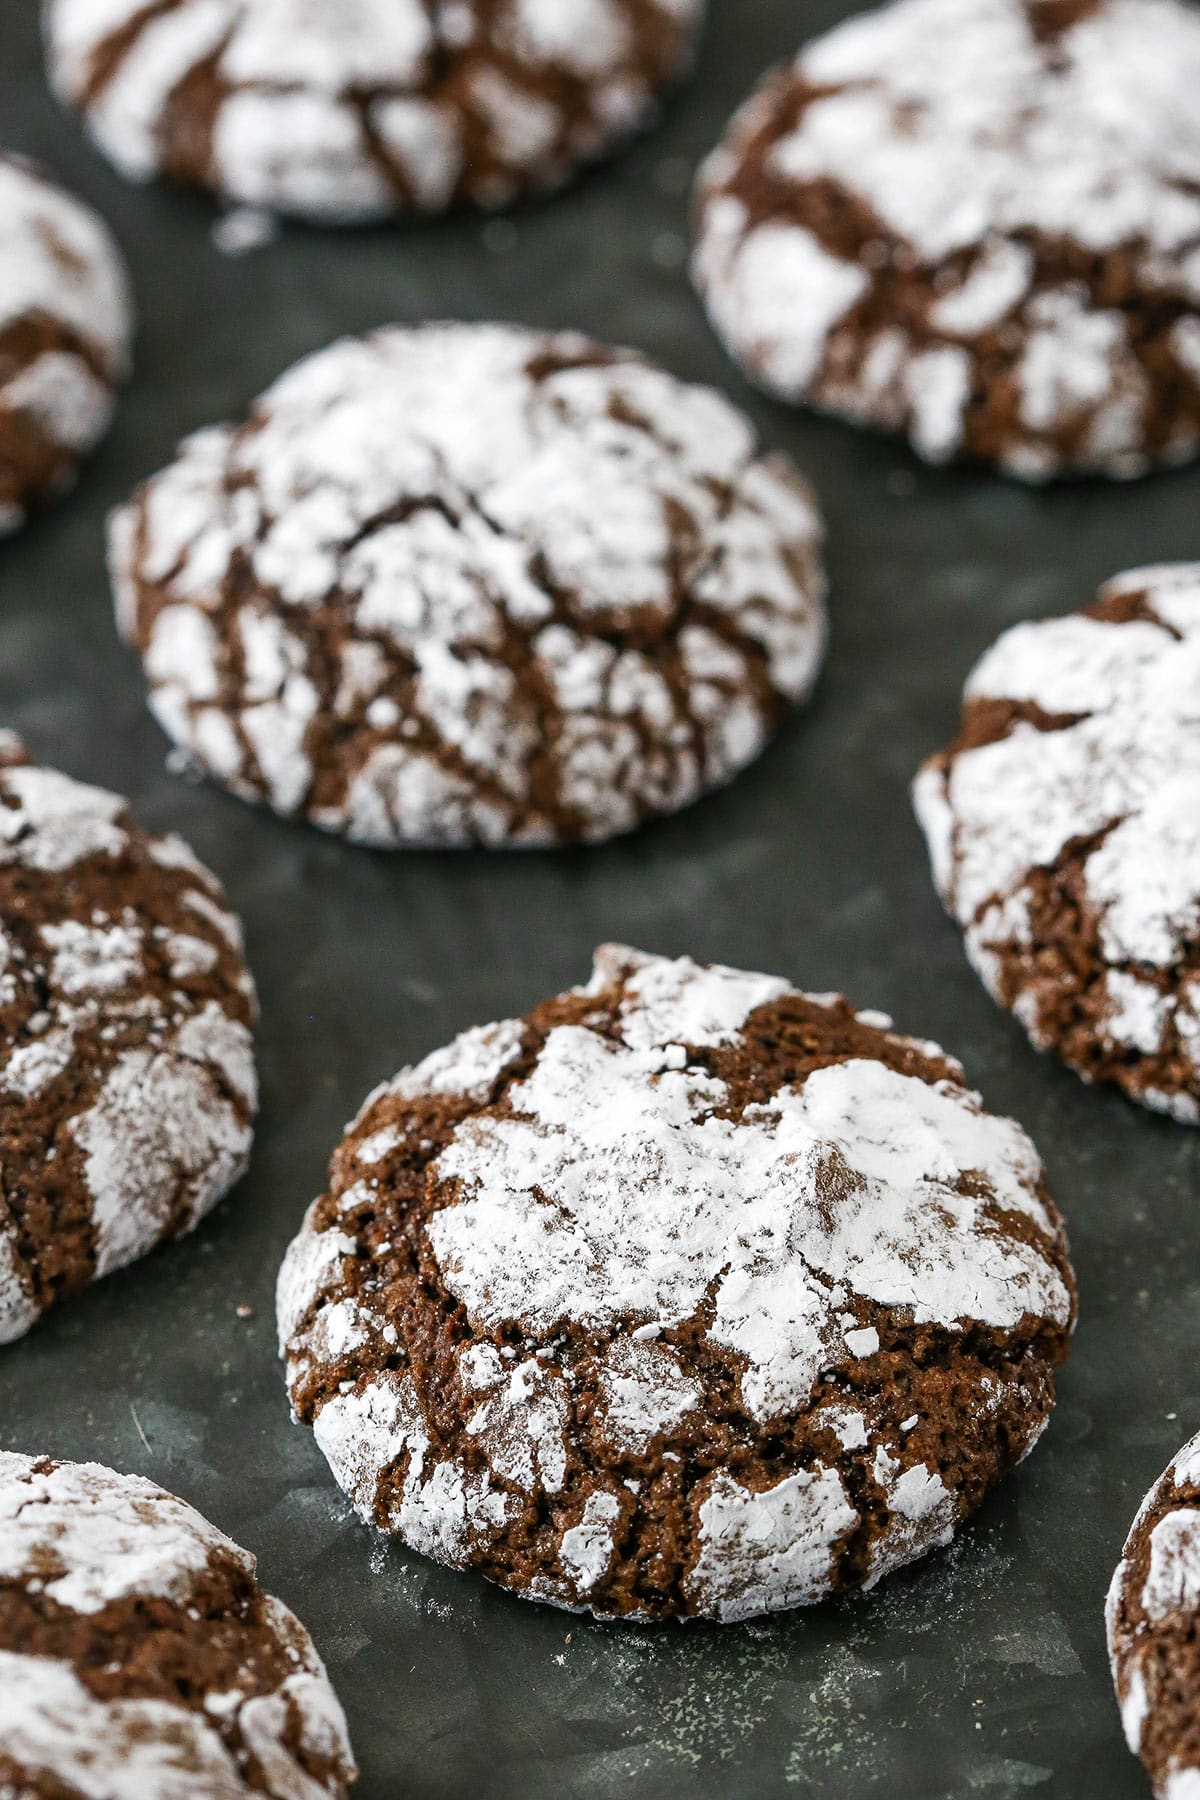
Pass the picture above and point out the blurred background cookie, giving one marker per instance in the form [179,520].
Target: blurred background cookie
[65,324]
[976,222]
[357,110]
[471,584]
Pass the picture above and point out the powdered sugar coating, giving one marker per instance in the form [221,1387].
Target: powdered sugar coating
[1099,766]
[127,1079]
[609,1224]
[88,1539]
[566,595]
[370,107]
[1150,1614]
[65,327]
[976,221]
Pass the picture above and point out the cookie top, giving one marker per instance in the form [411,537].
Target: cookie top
[370,107]
[127,1082]
[473,584]
[686,1294]
[1153,1614]
[975,221]
[1064,832]
[65,325]
[140,1657]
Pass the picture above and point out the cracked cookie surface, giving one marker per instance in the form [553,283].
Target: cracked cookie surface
[1064,833]
[140,1656]
[127,1079]
[65,326]
[687,1294]
[1153,1621]
[357,110]
[976,222]
[470,584]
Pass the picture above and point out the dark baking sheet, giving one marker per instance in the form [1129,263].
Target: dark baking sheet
[980,1672]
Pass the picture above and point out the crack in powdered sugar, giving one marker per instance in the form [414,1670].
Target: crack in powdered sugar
[1119,775]
[912,225]
[566,595]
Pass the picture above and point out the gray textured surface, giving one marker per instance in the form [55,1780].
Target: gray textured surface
[980,1672]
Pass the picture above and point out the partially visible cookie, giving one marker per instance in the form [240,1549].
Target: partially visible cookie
[65,326]
[140,1657]
[127,1080]
[976,222]
[1064,831]
[367,107]
[687,1294]
[472,584]
[1153,1620]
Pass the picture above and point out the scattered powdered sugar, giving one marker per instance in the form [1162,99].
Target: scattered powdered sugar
[87,1538]
[1123,770]
[616,1196]
[975,146]
[476,571]
[290,129]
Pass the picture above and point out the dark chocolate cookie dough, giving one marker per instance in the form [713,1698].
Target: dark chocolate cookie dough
[1064,832]
[472,584]
[976,222]
[360,108]
[688,1294]
[127,1081]
[1153,1619]
[65,324]
[140,1657]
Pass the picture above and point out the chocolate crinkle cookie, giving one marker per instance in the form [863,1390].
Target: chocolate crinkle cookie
[1153,1619]
[976,222]
[65,325]
[355,110]
[470,584]
[127,1080]
[1064,833]
[140,1657]
[688,1294]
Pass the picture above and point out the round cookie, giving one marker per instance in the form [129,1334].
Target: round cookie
[354,111]
[139,1655]
[65,326]
[687,1294]
[1064,833]
[471,584]
[1153,1614]
[127,1081]
[976,222]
